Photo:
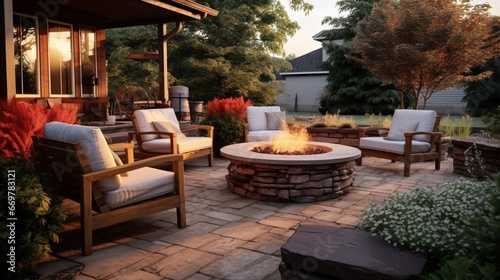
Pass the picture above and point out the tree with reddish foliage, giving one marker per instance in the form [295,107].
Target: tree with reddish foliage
[426,46]
[20,120]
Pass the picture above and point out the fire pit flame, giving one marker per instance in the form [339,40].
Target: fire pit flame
[292,143]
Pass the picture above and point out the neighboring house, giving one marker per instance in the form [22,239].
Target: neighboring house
[56,49]
[305,83]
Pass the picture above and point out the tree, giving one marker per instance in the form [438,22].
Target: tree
[483,96]
[352,89]
[230,55]
[122,71]
[425,46]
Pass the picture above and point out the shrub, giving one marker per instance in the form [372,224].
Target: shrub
[233,106]
[492,121]
[38,217]
[434,222]
[20,120]
[227,116]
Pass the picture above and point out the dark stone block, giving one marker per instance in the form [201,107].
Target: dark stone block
[340,253]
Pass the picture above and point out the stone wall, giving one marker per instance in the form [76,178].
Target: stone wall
[489,150]
[268,182]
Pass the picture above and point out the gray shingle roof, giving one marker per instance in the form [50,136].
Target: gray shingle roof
[307,62]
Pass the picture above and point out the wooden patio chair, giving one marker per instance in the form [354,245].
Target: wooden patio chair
[157,132]
[412,137]
[83,168]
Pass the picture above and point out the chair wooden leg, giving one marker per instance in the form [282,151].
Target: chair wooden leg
[437,164]
[181,216]
[407,169]
[359,161]
[211,159]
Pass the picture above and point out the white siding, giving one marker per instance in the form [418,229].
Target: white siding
[308,89]
[446,102]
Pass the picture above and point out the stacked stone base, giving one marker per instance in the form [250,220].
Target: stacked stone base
[489,150]
[293,183]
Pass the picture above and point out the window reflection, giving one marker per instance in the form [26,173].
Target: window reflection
[60,59]
[88,58]
[26,55]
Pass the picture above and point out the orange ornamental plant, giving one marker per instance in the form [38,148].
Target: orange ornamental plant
[20,120]
[232,106]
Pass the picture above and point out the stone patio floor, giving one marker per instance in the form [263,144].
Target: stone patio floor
[228,236]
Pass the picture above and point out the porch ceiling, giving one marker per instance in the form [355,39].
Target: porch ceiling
[121,13]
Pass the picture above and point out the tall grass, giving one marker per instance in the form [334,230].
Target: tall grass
[456,128]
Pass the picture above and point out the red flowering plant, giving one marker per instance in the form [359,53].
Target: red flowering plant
[20,120]
[233,106]
[37,208]
[227,116]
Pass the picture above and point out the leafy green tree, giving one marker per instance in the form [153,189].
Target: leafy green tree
[425,46]
[230,55]
[352,89]
[122,71]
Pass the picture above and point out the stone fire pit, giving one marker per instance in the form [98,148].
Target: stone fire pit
[294,178]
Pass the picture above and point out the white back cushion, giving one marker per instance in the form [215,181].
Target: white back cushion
[94,145]
[256,116]
[145,118]
[424,120]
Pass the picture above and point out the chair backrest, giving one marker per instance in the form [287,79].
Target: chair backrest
[143,121]
[93,144]
[256,116]
[405,120]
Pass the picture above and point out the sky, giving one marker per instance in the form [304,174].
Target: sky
[310,25]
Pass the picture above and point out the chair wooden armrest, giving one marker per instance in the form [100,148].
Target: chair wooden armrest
[209,129]
[362,131]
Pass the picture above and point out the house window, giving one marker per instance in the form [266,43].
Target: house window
[88,59]
[26,55]
[60,59]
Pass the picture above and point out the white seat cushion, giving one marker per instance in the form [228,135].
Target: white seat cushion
[185,144]
[398,147]
[144,120]
[256,116]
[263,135]
[404,121]
[141,184]
[93,144]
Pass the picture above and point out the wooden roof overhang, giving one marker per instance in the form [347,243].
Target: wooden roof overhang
[102,14]
[119,13]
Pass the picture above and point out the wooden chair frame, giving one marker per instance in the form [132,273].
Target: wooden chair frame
[141,153]
[71,177]
[408,157]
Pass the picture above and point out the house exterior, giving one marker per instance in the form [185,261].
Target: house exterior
[305,83]
[56,48]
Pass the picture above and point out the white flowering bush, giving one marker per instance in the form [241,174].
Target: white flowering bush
[434,222]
